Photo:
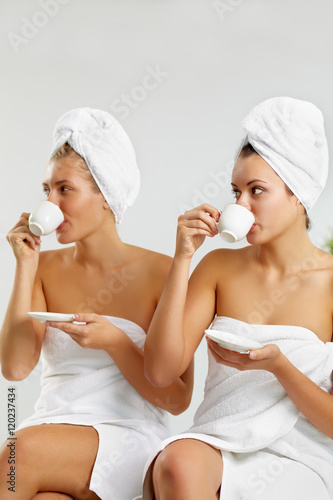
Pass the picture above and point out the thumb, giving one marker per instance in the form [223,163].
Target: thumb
[85,317]
[267,351]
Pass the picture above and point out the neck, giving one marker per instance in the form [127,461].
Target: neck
[286,253]
[102,249]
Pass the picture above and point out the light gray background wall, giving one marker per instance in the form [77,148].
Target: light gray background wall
[209,62]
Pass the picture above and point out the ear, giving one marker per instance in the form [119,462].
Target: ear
[104,202]
[105,205]
[298,203]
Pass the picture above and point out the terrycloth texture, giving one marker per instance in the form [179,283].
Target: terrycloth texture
[85,387]
[121,457]
[107,150]
[289,135]
[266,475]
[246,412]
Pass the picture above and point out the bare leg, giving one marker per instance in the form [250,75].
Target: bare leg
[188,468]
[51,458]
[52,496]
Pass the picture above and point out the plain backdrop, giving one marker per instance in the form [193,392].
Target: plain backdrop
[179,75]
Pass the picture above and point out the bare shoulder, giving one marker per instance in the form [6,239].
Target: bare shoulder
[323,262]
[152,268]
[224,259]
[324,259]
[54,258]
[152,262]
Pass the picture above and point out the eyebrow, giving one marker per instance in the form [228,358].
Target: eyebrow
[251,182]
[45,184]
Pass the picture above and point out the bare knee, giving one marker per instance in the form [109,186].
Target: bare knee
[186,469]
[48,495]
[173,466]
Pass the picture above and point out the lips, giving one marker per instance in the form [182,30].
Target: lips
[61,225]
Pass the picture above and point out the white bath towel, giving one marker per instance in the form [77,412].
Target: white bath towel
[289,135]
[107,150]
[249,414]
[85,387]
[230,394]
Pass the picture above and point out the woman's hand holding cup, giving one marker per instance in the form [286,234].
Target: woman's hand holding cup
[45,218]
[235,222]
[24,238]
[24,243]
[193,227]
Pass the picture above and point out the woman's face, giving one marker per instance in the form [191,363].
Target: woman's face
[258,188]
[67,186]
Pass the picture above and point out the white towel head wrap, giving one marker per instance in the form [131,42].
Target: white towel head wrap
[101,141]
[289,135]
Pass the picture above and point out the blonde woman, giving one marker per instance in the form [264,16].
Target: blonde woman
[97,418]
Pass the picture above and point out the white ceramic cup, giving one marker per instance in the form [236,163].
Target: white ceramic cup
[235,222]
[45,218]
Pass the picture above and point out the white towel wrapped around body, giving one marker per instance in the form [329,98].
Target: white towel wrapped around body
[248,414]
[85,387]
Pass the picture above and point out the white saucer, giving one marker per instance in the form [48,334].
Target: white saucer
[232,342]
[48,316]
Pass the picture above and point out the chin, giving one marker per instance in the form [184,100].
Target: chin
[254,239]
[251,241]
[250,237]
[63,239]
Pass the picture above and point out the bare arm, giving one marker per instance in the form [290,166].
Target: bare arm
[182,314]
[100,333]
[21,337]
[315,404]
[130,360]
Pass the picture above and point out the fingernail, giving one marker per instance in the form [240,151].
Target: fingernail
[253,354]
[76,317]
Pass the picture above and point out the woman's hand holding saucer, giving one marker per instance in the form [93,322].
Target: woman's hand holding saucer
[90,331]
[266,358]
[193,227]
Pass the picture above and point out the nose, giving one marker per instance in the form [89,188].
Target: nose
[52,197]
[243,200]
